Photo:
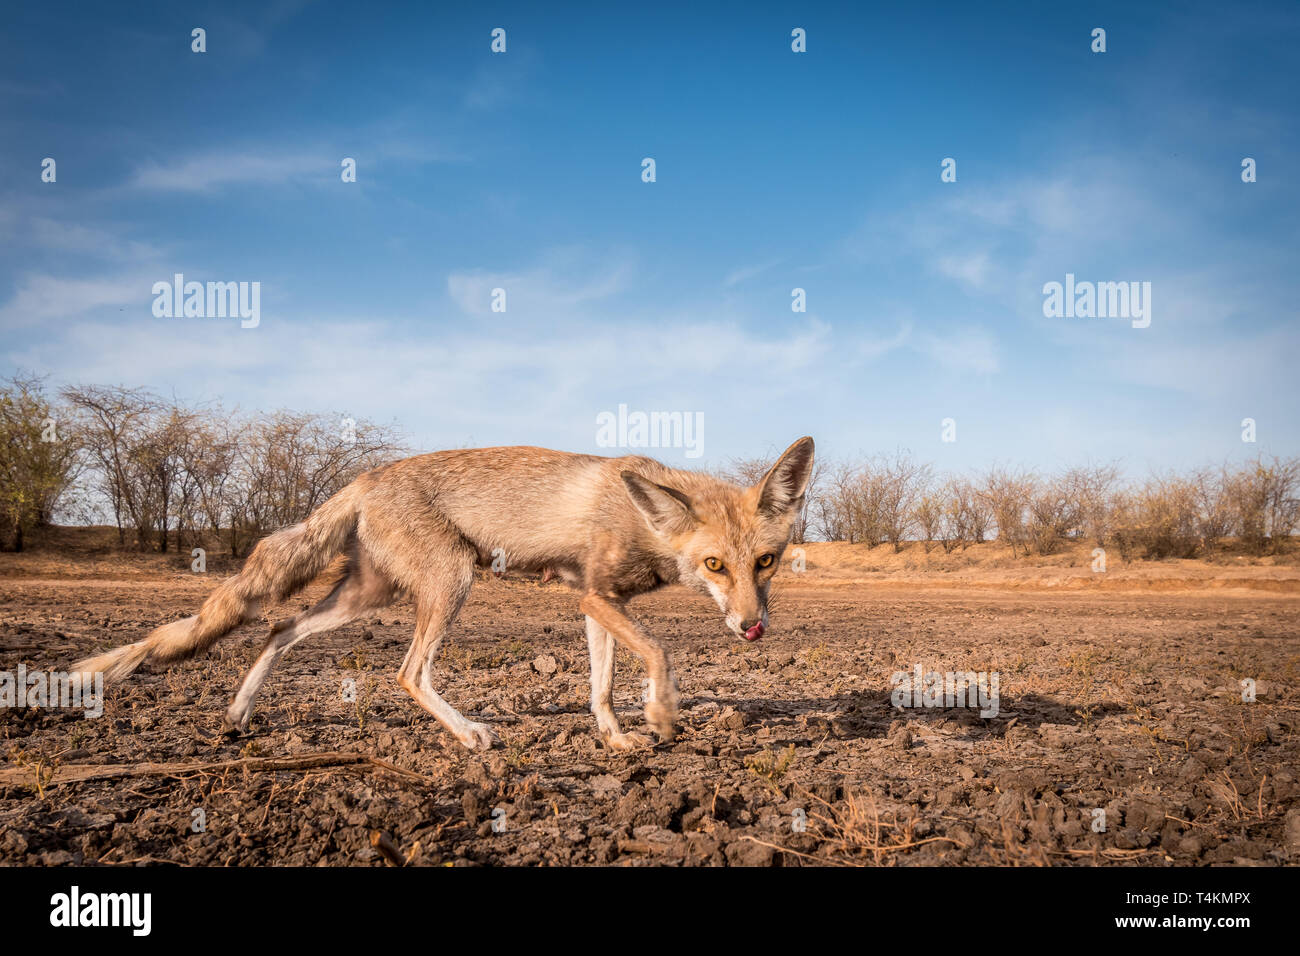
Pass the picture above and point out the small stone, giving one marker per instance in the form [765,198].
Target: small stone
[749,853]
[1291,828]
[1192,770]
[471,806]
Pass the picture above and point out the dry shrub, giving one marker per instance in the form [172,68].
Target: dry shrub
[170,472]
[1007,495]
[1158,520]
[1263,502]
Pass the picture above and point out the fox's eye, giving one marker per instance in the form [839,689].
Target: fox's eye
[713,564]
[766,560]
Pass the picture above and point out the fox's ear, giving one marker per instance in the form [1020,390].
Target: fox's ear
[665,509]
[782,488]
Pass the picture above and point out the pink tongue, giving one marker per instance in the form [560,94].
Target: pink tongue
[755,632]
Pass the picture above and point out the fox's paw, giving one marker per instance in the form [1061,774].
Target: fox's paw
[628,741]
[478,737]
[234,723]
[662,719]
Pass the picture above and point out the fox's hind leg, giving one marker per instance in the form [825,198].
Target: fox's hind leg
[429,559]
[362,589]
[601,645]
[437,604]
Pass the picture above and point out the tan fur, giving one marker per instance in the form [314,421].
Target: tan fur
[280,565]
[610,527]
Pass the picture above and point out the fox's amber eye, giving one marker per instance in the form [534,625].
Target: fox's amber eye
[766,560]
[713,564]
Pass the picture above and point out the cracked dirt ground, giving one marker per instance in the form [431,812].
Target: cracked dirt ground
[789,751]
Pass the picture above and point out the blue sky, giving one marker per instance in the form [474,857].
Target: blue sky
[775,170]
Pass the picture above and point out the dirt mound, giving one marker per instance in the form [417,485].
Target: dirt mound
[991,565]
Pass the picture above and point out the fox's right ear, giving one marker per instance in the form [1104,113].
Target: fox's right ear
[666,510]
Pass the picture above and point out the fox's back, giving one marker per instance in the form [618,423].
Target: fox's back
[538,506]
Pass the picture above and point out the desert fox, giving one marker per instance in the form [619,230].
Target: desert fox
[610,527]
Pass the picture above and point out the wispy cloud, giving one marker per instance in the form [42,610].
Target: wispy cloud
[745,273]
[964,349]
[971,268]
[543,290]
[211,171]
[873,347]
[231,35]
[957,348]
[92,241]
[42,299]
[505,80]
[543,387]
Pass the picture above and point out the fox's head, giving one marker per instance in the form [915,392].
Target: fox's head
[729,540]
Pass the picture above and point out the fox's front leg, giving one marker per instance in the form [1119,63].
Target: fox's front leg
[661,697]
[601,645]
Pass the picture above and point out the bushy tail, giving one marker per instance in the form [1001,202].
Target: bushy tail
[279,565]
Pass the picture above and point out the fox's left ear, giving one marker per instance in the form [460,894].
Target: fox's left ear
[782,488]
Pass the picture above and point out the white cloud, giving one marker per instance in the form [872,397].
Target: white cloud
[745,273]
[541,291]
[207,172]
[971,268]
[42,298]
[544,383]
[874,348]
[1234,371]
[962,349]
[89,240]
[1004,240]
